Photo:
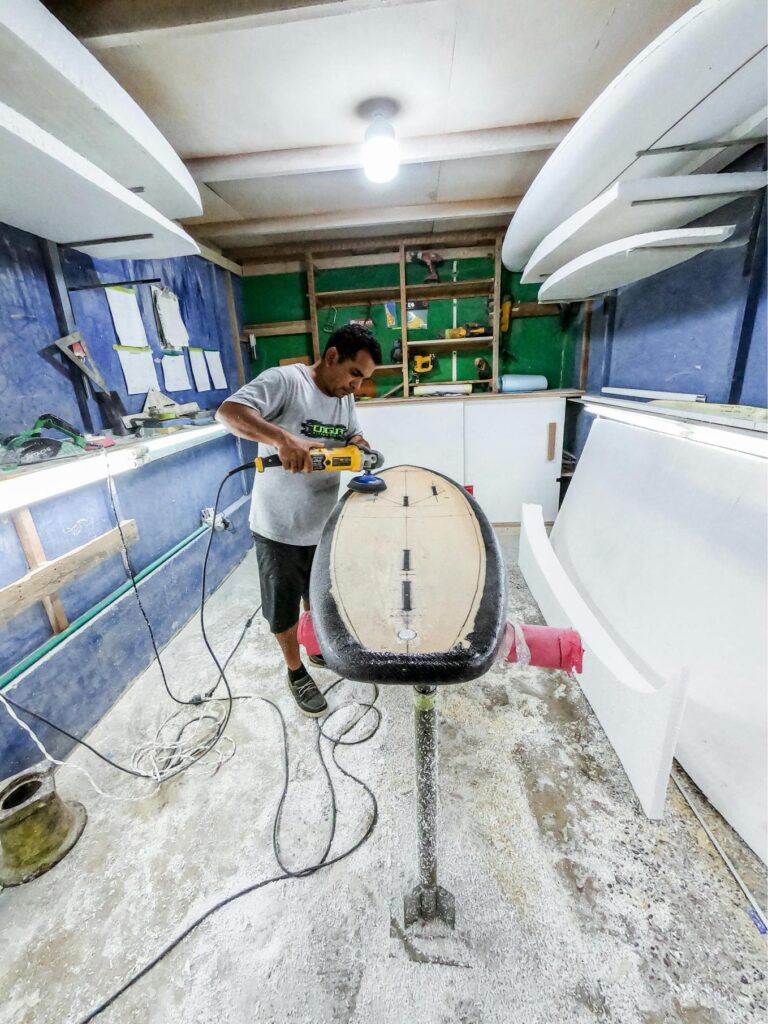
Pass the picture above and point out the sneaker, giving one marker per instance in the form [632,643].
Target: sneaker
[317,659]
[309,699]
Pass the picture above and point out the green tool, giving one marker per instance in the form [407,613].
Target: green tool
[33,446]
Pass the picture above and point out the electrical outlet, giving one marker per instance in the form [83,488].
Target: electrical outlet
[206,517]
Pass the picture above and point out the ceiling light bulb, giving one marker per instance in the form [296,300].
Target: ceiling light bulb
[381,157]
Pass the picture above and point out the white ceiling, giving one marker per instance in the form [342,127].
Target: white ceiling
[292,80]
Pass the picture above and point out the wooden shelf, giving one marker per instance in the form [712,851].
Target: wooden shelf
[388,367]
[277,329]
[481,396]
[439,290]
[524,309]
[469,380]
[485,341]
[450,289]
[357,297]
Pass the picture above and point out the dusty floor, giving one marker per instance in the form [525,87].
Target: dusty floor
[571,906]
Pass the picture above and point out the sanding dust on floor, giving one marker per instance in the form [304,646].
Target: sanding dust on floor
[571,906]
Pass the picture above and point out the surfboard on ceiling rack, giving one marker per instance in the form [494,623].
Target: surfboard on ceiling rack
[633,207]
[628,260]
[48,76]
[51,191]
[700,84]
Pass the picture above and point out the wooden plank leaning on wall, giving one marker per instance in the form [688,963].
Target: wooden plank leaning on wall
[42,582]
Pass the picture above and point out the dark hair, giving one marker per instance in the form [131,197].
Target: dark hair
[350,339]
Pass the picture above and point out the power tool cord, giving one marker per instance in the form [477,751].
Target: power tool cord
[324,862]
[165,759]
[368,707]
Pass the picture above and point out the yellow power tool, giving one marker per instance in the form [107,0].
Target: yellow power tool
[351,458]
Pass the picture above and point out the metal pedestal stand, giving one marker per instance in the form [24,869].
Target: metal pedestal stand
[428,901]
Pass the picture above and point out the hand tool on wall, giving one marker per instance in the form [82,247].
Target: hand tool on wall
[160,411]
[352,457]
[484,371]
[424,363]
[75,348]
[431,260]
[33,445]
[468,330]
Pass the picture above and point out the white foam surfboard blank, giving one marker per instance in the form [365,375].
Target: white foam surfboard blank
[641,721]
[48,76]
[634,207]
[666,539]
[653,104]
[50,190]
[628,260]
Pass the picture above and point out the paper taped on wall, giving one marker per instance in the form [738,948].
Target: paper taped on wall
[199,369]
[173,332]
[138,369]
[126,316]
[175,372]
[216,370]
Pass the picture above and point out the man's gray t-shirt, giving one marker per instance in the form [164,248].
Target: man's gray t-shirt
[292,507]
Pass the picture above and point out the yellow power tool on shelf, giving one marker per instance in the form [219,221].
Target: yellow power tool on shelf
[351,458]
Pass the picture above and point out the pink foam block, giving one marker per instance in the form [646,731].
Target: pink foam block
[550,647]
[306,634]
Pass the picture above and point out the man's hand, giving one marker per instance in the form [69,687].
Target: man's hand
[359,440]
[294,453]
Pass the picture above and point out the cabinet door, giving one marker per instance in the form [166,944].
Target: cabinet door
[418,435]
[513,450]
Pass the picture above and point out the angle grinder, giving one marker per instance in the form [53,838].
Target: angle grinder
[352,458]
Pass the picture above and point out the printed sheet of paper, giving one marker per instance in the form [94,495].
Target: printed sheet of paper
[138,369]
[126,316]
[216,370]
[173,331]
[175,373]
[199,369]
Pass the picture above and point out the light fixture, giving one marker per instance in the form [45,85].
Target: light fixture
[381,156]
[49,480]
[663,421]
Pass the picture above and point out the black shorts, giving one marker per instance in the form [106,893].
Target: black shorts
[284,576]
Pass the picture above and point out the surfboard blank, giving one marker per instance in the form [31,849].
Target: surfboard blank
[633,207]
[55,193]
[628,260]
[49,77]
[408,585]
[702,79]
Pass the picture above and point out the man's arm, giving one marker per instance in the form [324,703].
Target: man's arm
[243,421]
[359,440]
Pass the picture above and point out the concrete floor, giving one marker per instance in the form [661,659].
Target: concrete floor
[571,906]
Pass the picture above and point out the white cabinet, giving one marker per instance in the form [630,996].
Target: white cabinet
[513,452]
[418,434]
[508,449]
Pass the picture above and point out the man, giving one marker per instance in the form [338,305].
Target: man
[290,410]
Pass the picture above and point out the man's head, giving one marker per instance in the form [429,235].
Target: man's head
[350,356]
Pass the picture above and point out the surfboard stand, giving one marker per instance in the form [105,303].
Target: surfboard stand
[428,901]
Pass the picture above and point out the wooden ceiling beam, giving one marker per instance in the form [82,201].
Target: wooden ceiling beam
[486,142]
[103,24]
[354,247]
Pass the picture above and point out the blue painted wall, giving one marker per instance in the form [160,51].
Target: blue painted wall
[77,682]
[699,327]
[34,377]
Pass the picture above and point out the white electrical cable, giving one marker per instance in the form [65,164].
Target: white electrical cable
[65,764]
[159,760]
